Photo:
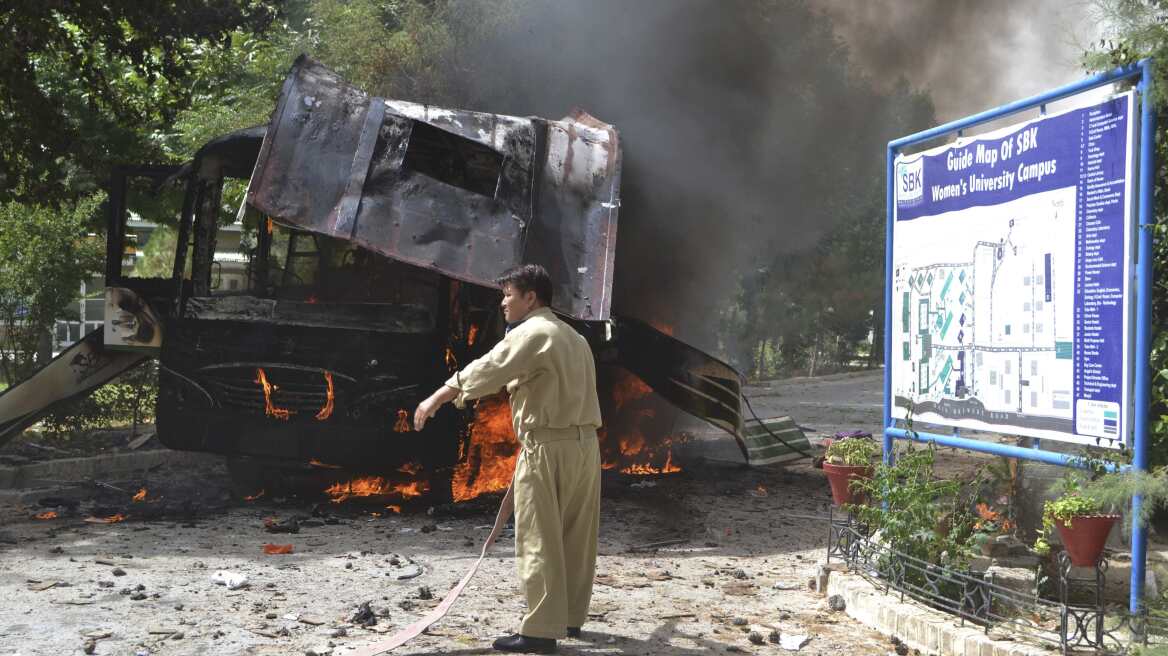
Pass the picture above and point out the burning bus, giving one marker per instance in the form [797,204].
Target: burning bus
[370,232]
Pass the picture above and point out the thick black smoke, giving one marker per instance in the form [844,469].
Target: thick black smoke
[970,55]
[742,124]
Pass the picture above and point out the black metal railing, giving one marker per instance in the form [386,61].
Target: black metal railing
[1078,619]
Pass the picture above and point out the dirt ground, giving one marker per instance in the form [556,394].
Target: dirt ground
[749,541]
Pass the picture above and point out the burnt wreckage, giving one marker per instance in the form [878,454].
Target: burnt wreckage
[376,228]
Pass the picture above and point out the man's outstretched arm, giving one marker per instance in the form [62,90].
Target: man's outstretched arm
[429,407]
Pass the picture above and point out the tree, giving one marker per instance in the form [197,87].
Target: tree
[1138,30]
[45,254]
[87,84]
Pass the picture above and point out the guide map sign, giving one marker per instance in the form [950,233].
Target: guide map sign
[1011,299]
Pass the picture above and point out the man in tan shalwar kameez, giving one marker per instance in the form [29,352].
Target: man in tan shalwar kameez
[548,369]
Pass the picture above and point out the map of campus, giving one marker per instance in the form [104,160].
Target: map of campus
[983,316]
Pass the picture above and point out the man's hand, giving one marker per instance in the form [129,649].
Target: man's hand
[430,406]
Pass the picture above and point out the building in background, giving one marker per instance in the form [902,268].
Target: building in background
[151,255]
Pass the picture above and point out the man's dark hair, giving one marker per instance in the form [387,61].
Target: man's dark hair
[529,278]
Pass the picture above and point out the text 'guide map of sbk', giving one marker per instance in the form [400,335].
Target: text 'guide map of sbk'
[1011,252]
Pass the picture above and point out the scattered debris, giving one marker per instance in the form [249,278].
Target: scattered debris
[644,483]
[755,638]
[41,586]
[111,519]
[364,615]
[793,642]
[273,525]
[310,620]
[836,602]
[276,549]
[656,545]
[233,580]
[739,588]
[424,593]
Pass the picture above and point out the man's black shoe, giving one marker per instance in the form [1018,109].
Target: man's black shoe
[573,632]
[526,644]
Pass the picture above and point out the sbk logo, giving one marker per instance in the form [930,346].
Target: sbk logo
[910,182]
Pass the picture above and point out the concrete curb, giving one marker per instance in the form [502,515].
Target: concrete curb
[65,470]
[930,631]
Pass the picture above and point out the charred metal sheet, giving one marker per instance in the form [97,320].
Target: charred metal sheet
[338,398]
[686,377]
[73,374]
[467,194]
[376,317]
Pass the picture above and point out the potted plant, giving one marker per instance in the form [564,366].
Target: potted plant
[847,460]
[1084,513]
[1081,523]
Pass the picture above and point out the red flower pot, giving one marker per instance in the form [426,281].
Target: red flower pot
[1085,537]
[840,478]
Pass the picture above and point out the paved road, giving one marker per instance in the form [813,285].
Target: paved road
[823,405]
[827,404]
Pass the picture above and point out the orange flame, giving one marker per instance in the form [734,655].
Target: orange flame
[643,469]
[48,514]
[489,461]
[269,225]
[394,509]
[634,441]
[323,465]
[402,425]
[369,486]
[255,496]
[269,408]
[273,549]
[451,361]
[411,468]
[663,327]
[141,496]
[112,519]
[327,410]
[472,335]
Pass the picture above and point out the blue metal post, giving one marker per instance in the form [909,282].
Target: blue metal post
[1139,538]
[891,200]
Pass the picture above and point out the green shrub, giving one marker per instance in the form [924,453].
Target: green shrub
[126,400]
[855,451]
[916,513]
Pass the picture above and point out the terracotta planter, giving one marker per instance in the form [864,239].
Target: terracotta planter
[840,478]
[1085,537]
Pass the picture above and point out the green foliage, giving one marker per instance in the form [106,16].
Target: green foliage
[128,399]
[1094,493]
[1065,508]
[392,48]
[816,306]
[1115,490]
[86,83]
[914,512]
[855,451]
[45,254]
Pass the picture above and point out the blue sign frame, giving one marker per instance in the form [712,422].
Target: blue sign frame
[1143,296]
